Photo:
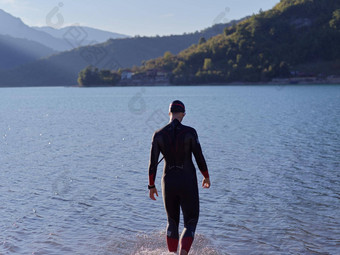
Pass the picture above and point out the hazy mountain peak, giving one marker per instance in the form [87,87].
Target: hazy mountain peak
[7,21]
[58,39]
[86,35]
[14,27]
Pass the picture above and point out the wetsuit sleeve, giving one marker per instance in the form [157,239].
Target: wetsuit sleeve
[197,151]
[154,154]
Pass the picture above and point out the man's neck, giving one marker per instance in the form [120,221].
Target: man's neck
[175,118]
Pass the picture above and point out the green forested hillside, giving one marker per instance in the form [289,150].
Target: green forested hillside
[270,44]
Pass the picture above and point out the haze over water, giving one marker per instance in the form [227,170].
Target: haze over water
[73,176]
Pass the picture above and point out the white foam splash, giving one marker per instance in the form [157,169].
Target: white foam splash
[155,244]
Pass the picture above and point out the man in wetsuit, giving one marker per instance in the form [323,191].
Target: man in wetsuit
[177,143]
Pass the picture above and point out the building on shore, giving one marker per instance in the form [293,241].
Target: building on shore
[151,77]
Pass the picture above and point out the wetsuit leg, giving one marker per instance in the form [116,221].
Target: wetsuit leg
[172,207]
[190,209]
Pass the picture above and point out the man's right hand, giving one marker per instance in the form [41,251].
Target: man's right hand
[206,183]
[152,193]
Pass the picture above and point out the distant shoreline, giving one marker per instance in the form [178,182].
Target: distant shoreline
[320,83]
[218,84]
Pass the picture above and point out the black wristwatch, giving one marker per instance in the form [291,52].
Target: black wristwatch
[151,186]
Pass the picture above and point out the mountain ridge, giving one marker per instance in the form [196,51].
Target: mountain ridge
[15,51]
[88,35]
[62,69]
[15,27]
[62,39]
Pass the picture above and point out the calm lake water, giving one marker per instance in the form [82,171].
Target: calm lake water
[73,176]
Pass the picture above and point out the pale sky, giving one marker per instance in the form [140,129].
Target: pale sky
[134,17]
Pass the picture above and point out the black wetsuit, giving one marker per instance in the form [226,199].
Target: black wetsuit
[179,182]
